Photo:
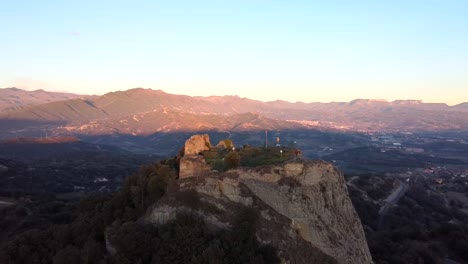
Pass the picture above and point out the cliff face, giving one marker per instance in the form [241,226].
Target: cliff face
[302,205]
[304,208]
[192,164]
[314,197]
[196,144]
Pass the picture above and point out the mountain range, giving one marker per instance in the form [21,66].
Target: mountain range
[14,98]
[144,111]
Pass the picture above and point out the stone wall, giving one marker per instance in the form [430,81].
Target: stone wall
[192,164]
[196,144]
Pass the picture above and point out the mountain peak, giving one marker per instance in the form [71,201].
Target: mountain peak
[14,98]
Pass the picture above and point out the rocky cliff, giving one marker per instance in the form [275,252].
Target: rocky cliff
[196,144]
[313,196]
[192,164]
[304,208]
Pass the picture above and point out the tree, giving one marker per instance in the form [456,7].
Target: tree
[232,160]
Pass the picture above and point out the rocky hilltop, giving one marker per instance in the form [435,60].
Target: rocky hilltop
[304,207]
[191,163]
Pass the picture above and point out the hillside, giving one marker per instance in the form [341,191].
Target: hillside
[168,121]
[14,98]
[360,114]
[64,166]
[429,219]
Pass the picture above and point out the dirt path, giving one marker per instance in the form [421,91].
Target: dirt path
[392,200]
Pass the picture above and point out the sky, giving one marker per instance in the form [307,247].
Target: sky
[310,51]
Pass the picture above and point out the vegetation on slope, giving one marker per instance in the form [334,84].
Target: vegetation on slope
[247,156]
[80,236]
[423,228]
[68,169]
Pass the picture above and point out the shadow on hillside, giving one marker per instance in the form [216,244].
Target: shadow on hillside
[12,128]
[311,142]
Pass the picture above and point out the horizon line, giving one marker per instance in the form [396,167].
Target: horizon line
[376,100]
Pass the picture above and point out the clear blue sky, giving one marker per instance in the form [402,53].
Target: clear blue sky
[291,50]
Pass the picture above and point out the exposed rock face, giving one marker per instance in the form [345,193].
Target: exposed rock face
[166,213]
[305,209]
[193,166]
[226,187]
[320,209]
[196,144]
[294,169]
[163,215]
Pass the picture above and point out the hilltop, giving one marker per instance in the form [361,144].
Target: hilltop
[306,197]
[14,98]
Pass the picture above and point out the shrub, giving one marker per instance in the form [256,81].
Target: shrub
[228,143]
[188,198]
[232,160]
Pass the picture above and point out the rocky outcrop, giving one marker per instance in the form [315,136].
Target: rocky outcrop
[319,208]
[196,144]
[310,197]
[163,214]
[227,188]
[192,164]
[167,213]
[302,204]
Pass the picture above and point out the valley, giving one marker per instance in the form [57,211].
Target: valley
[55,156]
